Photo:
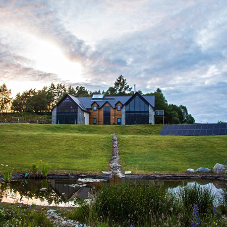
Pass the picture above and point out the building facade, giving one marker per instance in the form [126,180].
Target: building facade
[105,110]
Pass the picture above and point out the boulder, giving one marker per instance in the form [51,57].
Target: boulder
[219,168]
[203,170]
[128,172]
[190,170]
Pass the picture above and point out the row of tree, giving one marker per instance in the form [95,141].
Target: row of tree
[39,101]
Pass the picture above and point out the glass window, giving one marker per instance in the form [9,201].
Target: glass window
[119,121]
[94,108]
[137,112]
[118,108]
[94,120]
[106,115]
[67,112]
[67,106]
[137,103]
[132,105]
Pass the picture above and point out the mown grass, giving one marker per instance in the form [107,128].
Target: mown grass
[22,145]
[171,153]
[87,148]
[82,129]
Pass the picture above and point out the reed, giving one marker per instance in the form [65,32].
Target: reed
[146,205]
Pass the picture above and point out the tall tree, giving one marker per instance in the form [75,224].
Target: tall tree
[60,91]
[160,104]
[39,102]
[121,86]
[111,91]
[81,91]
[173,114]
[4,98]
[17,104]
[71,91]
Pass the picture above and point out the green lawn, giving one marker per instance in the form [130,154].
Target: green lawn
[82,129]
[87,148]
[22,145]
[171,153]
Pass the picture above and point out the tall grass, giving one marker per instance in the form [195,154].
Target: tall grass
[136,205]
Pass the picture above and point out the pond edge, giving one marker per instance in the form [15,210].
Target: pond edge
[18,176]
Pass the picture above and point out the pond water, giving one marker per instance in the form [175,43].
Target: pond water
[67,192]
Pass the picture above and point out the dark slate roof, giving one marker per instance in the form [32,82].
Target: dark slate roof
[150,99]
[77,101]
[112,100]
[86,102]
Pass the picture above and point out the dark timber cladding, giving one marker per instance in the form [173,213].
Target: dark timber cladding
[194,129]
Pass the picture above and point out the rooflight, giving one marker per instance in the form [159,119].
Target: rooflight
[98,96]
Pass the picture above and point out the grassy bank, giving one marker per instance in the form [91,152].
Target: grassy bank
[87,148]
[21,145]
[171,153]
[82,129]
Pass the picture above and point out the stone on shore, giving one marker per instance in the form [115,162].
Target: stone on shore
[203,170]
[190,170]
[219,168]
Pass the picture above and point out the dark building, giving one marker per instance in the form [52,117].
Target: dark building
[105,110]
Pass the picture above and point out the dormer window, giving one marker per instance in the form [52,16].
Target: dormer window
[94,108]
[118,108]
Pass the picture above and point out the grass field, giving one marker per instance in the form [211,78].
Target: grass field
[87,148]
[171,153]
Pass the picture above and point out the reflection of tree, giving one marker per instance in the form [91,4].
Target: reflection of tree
[62,190]
[31,189]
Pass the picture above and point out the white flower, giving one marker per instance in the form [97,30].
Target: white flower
[6,165]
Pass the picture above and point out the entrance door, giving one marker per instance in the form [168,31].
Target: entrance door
[106,115]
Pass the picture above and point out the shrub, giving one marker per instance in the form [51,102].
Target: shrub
[6,173]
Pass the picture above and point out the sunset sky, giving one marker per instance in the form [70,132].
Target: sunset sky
[178,46]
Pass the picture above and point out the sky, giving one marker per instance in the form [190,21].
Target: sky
[177,46]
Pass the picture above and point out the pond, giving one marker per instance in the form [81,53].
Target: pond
[67,192]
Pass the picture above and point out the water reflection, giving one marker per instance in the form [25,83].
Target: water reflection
[67,192]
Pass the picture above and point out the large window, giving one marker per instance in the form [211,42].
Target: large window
[137,112]
[106,115]
[67,112]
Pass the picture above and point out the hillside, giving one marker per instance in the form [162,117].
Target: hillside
[87,148]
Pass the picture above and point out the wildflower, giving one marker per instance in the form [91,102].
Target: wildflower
[195,218]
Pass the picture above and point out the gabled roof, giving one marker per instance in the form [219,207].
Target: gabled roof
[74,99]
[112,100]
[77,101]
[149,99]
[86,103]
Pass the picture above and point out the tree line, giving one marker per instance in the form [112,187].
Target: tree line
[42,101]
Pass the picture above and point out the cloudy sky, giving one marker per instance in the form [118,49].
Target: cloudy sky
[178,46]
